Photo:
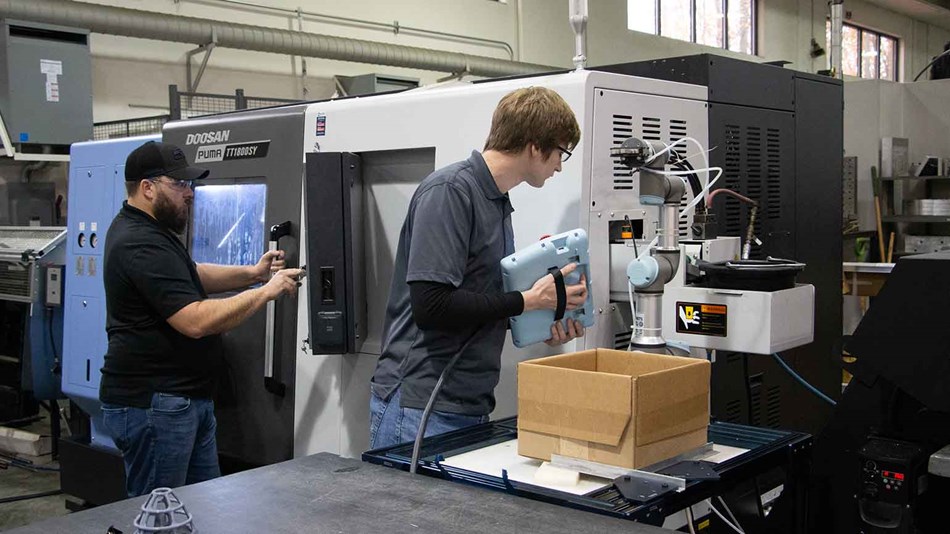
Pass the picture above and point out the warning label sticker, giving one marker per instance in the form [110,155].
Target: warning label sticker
[701,319]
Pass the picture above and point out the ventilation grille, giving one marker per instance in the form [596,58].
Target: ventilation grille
[14,282]
[753,167]
[622,340]
[755,397]
[773,407]
[733,157]
[773,177]
[753,189]
[767,410]
[622,130]
[734,412]
[650,129]
[677,129]
[677,132]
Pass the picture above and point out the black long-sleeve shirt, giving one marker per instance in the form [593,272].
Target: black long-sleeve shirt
[444,307]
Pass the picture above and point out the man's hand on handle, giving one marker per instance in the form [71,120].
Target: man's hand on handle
[543,294]
[271,262]
[283,282]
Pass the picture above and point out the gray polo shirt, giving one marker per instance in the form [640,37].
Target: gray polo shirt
[456,232]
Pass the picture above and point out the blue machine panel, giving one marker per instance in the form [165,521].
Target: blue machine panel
[96,192]
[85,346]
[45,337]
[523,268]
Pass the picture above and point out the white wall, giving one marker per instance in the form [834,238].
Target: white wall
[131,76]
[919,41]
[136,72]
[875,109]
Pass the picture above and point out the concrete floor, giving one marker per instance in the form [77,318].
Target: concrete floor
[15,481]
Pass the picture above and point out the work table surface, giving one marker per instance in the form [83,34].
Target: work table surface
[325,493]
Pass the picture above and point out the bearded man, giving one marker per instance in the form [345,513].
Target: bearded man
[164,350]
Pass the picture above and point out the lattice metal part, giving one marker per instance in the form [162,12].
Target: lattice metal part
[163,512]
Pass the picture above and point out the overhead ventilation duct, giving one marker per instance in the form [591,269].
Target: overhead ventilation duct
[163,27]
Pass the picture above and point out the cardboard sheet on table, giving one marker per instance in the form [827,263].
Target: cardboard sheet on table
[492,459]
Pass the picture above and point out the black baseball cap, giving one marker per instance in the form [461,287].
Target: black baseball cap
[155,159]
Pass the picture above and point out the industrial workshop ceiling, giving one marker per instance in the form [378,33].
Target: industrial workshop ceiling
[935,12]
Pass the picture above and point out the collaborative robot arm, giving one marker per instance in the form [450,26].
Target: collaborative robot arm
[652,270]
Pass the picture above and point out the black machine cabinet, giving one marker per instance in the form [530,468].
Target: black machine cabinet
[893,473]
[255,401]
[899,392]
[778,135]
[100,481]
[16,402]
[335,252]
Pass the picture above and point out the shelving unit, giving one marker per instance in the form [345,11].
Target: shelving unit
[916,218]
[914,178]
[896,190]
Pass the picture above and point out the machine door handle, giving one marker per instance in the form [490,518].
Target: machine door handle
[271,383]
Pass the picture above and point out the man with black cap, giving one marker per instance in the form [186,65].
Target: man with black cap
[164,344]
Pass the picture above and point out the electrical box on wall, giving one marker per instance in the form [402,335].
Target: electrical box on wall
[45,86]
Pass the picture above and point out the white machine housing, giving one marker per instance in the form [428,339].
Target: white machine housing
[449,121]
[758,322]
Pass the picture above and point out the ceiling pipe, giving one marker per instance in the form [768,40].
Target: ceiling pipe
[164,27]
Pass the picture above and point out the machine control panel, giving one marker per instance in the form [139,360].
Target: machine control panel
[883,484]
[54,285]
[887,472]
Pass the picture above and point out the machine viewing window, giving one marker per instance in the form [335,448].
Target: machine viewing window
[228,223]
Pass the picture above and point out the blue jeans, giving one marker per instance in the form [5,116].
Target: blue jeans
[390,424]
[168,445]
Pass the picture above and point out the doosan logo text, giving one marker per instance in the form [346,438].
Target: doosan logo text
[220,136]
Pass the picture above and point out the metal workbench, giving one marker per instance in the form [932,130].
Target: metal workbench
[764,450]
[324,493]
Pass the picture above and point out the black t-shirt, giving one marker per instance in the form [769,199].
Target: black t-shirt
[149,276]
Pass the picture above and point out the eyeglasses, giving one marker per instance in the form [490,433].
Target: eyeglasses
[565,154]
[180,185]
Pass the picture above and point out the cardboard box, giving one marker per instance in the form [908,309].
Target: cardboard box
[629,409]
